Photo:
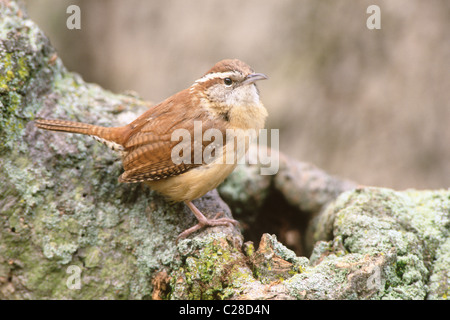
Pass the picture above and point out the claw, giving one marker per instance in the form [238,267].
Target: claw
[205,222]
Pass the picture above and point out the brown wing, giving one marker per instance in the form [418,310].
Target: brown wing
[149,147]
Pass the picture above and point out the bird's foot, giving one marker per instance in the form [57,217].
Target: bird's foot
[205,222]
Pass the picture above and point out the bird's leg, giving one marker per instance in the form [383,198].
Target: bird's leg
[204,221]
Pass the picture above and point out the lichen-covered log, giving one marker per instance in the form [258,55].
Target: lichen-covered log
[69,230]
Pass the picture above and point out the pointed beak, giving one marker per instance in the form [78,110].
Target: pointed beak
[253,77]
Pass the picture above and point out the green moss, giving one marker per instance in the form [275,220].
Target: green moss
[400,268]
[249,249]
[202,274]
[6,75]
[23,69]
[14,74]
[210,271]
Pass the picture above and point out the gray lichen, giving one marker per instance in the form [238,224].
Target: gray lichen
[406,230]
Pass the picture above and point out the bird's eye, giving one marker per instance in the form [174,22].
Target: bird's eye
[228,82]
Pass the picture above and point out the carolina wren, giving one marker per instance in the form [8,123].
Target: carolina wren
[226,97]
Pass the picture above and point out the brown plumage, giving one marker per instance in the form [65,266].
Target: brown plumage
[146,143]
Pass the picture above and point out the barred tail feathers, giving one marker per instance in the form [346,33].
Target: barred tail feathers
[112,137]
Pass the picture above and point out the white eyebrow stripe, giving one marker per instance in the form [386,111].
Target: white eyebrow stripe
[214,75]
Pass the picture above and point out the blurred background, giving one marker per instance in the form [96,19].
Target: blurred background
[372,106]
